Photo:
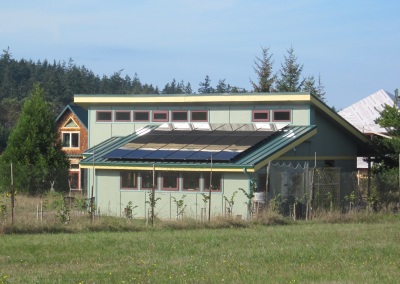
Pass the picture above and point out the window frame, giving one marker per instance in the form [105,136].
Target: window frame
[141,111]
[281,111]
[183,181]
[122,111]
[160,112]
[253,119]
[198,111]
[78,180]
[206,181]
[70,135]
[141,181]
[179,111]
[163,174]
[128,172]
[104,111]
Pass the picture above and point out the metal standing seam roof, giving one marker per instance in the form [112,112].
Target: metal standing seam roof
[271,147]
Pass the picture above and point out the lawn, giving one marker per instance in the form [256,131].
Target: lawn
[303,252]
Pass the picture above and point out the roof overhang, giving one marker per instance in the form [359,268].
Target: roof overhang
[83,99]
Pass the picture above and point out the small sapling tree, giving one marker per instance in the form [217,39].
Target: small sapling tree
[230,203]
[180,206]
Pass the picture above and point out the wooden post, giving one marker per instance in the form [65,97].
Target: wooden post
[12,195]
[153,191]
[209,193]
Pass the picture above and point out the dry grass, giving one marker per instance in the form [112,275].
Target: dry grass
[27,219]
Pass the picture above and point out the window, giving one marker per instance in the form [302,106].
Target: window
[215,182]
[281,115]
[122,115]
[198,115]
[70,139]
[191,180]
[170,181]
[129,180]
[74,180]
[102,116]
[179,116]
[147,180]
[141,116]
[260,115]
[160,116]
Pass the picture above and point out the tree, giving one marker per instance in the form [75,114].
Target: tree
[263,68]
[34,149]
[317,91]
[289,74]
[387,151]
[222,87]
[205,87]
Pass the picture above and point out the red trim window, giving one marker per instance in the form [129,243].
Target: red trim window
[216,182]
[260,116]
[146,180]
[122,116]
[141,116]
[129,180]
[191,181]
[160,116]
[103,115]
[170,181]
[199,116]
[179,116]
[281,115]
[74,180]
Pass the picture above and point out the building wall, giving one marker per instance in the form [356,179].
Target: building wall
[331,143]
[111,200]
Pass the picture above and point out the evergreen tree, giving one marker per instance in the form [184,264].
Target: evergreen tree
[222,87]
[289,74]
[320,89]
[263,68]
[34,149]
[205,87]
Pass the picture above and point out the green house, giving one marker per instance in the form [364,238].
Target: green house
[191,146]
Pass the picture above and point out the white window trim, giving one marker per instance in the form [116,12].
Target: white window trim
[70,132]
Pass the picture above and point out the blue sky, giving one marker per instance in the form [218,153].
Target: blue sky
[353,44]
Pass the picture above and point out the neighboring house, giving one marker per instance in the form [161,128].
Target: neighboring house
[73,129]
[186,144]
[363,114]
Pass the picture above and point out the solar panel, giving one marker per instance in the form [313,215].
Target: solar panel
[222,141]
[201,155]
[181,155]
[117,153]
[160,154]
[138,154]
[225,155]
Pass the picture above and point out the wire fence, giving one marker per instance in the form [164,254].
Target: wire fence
[300,190]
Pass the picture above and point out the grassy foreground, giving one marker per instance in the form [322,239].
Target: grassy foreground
[298,253]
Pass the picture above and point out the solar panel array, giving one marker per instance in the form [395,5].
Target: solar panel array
[221,142]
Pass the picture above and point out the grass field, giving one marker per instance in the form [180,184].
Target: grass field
[302,252]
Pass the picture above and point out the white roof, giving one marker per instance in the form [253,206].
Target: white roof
[363,113]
